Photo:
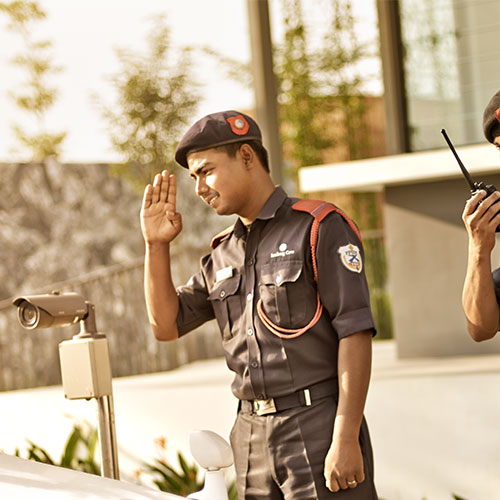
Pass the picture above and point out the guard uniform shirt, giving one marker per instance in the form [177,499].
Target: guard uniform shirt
[271,260]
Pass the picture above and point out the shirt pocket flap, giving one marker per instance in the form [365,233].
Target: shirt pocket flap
[225,288]
[277,273]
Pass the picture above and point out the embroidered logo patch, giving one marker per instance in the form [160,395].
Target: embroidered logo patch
[238,124]
[351,257]
[282,251]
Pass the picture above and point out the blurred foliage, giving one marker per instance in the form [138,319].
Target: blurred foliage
[36,96]
[183,479]
[156,98]
[319,91]
[321,104]
[302,135]
[78,453]
[366,210]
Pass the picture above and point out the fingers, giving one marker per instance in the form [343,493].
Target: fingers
[163,190]
[339,482]
[172,191]
[481,209]
[157,187]
[473,202]
[176,219]
[148,196]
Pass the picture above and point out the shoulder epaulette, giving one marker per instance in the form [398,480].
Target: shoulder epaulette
[320,209]
[219,237]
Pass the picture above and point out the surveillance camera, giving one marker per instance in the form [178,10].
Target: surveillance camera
[50,310]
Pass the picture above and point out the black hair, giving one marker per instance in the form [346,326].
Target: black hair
[232,148]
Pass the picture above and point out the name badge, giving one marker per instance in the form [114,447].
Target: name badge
[223,274]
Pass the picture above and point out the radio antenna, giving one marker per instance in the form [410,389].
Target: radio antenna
[462,166]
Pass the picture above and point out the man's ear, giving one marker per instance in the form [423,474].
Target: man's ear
[247,155]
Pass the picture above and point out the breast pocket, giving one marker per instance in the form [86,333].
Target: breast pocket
[226,304]
[282,293]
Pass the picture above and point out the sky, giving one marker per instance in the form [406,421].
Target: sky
[85,35]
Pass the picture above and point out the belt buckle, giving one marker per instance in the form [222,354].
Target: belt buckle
[264,406]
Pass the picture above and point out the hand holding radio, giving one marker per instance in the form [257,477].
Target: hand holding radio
[477,207]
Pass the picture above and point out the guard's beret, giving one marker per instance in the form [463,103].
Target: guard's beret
[491,118]
[214,130]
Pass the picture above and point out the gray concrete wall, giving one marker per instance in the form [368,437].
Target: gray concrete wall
[427,257]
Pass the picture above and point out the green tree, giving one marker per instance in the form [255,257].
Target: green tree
[156,98]
[36,96]
[301,132]
[340,76]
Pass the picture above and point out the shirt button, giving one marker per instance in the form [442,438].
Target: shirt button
[222,294]
[249,297]
[250,331]
[254,365]
[250,262]
[260,396]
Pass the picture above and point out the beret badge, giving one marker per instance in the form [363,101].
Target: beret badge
[238,124]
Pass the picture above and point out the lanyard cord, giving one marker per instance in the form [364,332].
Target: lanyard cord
[319,210]
[288,333]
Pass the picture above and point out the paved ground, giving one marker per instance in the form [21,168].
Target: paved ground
[434,422]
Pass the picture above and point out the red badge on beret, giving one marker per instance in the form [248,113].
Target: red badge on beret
[238,124]
[497,114]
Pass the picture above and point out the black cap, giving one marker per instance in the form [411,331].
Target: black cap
[491,118]
[214,130]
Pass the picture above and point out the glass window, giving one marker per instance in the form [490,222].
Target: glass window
[451,61]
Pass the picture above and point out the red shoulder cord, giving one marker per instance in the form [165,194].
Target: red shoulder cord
[319,210]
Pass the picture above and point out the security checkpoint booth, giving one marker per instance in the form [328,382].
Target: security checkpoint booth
[426,241]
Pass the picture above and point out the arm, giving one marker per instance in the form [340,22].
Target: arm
[160,224]
[344,461]
[478,298]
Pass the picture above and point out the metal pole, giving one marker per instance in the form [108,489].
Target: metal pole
[107,437]
[264,82]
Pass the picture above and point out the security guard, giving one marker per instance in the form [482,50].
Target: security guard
[286,285]
[481,216]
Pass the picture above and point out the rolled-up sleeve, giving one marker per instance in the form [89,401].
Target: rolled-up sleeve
[341,277]
[194,307]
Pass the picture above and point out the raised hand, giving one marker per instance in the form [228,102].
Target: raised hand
[160,223]
[481,218]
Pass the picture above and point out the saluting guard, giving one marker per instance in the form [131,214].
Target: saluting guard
[286,284]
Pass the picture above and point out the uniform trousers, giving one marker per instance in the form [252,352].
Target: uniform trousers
[281,456]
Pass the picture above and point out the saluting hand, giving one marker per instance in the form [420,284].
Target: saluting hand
[481,217]
[160,223]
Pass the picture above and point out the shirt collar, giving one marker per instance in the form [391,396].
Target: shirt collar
[268,211]
[272,204]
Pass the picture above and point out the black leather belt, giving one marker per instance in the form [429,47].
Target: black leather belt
[304,397]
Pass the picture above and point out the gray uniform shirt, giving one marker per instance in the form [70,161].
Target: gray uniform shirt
[271,260]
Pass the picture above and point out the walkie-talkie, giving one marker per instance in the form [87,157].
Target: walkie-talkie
[474,186]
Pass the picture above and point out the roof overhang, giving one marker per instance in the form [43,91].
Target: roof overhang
[373,174]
